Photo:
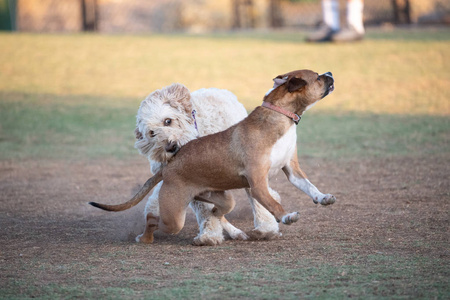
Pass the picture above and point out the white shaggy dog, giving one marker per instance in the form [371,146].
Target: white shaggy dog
[169,118]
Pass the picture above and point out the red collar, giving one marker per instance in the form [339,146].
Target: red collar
[296,118]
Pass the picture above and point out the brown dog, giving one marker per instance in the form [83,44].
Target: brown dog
[243,156]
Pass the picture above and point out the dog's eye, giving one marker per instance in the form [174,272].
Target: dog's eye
[167,122]
[318,78]
[151,133]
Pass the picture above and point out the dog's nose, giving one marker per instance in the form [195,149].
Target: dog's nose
[171,147]
[329,74]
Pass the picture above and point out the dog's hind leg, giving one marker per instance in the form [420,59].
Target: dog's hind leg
[173,201]
[266,227]
[298,178]
[223,204]
[151,213]
[150,227]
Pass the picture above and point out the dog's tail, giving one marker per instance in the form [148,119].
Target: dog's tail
[146,188]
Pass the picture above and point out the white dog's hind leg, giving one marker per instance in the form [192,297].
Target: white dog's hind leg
[266,227]
[211,230]
[152,206]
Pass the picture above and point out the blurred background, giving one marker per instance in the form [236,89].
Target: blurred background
[195,16]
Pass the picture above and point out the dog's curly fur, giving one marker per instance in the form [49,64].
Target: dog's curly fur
[172,116]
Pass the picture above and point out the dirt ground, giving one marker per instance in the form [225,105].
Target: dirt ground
[392,206]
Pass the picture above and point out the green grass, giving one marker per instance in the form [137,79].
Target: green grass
[48,127]
[379,75]
[325,134]
[75,96]
[31,128]
[368,277]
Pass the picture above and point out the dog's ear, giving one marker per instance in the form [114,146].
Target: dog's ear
[138,134]
[295,83]
[180,97]
[279,80]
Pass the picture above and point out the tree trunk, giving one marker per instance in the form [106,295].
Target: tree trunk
[89,14]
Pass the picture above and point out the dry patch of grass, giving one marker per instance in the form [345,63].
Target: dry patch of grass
[376,75]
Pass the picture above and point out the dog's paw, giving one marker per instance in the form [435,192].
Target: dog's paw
[257,234]
[325,200]
[233,232]
[266,230]
[237,234]
[290,218]
[204,240]
[144,239]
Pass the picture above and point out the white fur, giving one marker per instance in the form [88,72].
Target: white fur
[308,188]
[290,218]
[211,229]
[283,150]
[216,110]
[233,232]
[310,106]
[265,223]
[269,91]
[152,204]
[280,156]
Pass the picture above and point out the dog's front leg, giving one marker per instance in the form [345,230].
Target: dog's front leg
[211,231]
[227,198]
[226,203]
[266,227]
[211,223]
[298,178]
[260,191]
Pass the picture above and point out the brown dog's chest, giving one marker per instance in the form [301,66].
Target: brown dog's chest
[283,150]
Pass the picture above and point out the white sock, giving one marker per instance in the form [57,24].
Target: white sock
[355,15]
[330,9]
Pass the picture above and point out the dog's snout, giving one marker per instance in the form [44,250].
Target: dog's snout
[171,147]
[329,77]
[329,83]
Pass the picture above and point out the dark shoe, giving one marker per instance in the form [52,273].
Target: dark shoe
[348,34]
[323,34]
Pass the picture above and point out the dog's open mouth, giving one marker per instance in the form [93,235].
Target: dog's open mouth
[328,91]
